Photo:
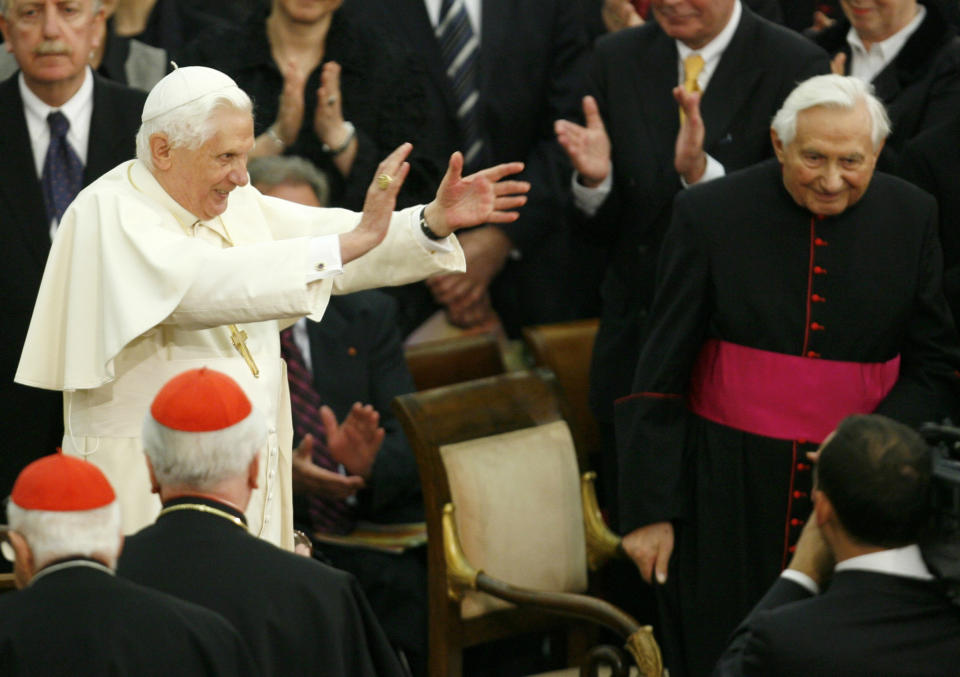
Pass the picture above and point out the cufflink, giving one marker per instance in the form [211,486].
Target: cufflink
[319,267]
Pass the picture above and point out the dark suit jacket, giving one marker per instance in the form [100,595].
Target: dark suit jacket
[920,87]
[634,73]
[530,74]
[298,617]
[866,623]
[80,621]
[932,161]
[33,418]
[357,356]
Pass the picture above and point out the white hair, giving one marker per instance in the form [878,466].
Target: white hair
[831,91]
[201,460]
[55,534]
[190,125]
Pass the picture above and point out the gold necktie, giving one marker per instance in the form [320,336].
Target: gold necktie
[692,66]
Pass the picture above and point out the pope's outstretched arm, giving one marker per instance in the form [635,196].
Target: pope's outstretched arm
[461,201]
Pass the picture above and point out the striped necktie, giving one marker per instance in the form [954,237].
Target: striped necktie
[459,47]
[62,175]
[327,515]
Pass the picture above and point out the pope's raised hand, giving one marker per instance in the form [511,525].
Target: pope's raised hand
[482,197]
[378,206]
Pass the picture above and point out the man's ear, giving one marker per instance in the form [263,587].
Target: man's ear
[24,566]
[154,484]
[253,472]
[4,27]
[160,151]
[777,145]
[822,508]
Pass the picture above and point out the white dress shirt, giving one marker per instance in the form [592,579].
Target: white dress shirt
[473,11]
[589,200]
[78,110]
[867,64]
[906,561]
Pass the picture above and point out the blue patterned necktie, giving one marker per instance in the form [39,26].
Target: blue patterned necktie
[459,48]
[62,170]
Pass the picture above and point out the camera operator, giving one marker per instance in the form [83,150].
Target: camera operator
[882,611]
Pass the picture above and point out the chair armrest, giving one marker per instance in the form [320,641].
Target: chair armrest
[462,576]
[602,544]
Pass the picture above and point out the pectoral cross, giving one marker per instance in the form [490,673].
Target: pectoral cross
[239,340]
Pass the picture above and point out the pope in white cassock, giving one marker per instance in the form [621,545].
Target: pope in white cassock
[173,261]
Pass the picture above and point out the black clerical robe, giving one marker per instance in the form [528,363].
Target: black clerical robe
[743,263]
[299,617]
[81,621]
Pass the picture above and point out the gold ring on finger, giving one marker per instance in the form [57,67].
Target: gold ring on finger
[384,181]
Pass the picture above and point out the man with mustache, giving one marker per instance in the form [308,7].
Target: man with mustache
[40,174]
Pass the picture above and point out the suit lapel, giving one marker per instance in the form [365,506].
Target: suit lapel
[886,83]
[104,144]
[494,16]
[731,83]
[20,186]
[654,93]
[415,22]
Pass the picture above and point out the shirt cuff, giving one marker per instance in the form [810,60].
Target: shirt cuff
[440,246]
[589,200]
[713,171]
[323,258]
[801,579]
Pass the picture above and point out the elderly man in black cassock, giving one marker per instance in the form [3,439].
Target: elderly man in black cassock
[789,295]
[298,616]
[72,616]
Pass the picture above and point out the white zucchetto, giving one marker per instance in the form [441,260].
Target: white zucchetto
[181,86]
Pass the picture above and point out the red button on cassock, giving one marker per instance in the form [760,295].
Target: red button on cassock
[819,270]
[813,353]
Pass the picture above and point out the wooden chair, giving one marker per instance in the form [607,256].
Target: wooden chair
[509,518]
[565,349]
[463,358]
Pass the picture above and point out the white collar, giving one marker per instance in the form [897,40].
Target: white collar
[906,561]
[713,50]
[888,49]
[72,109]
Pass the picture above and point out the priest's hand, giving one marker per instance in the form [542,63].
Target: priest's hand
[587,147]
[482,197]
[309,478]
[378,206]
[356,441]
[650,548]
[690,160]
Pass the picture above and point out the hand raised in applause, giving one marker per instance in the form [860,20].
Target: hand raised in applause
[290,108]
[355,442]
[650,548]
[328,118]
[588,147]
[690,160]
[620,14]
[309,478]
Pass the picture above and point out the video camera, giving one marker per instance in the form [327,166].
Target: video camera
[942,552]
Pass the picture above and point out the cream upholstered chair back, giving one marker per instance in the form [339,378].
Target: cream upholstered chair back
[518,510]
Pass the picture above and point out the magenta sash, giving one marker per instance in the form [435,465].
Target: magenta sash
[784,396]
